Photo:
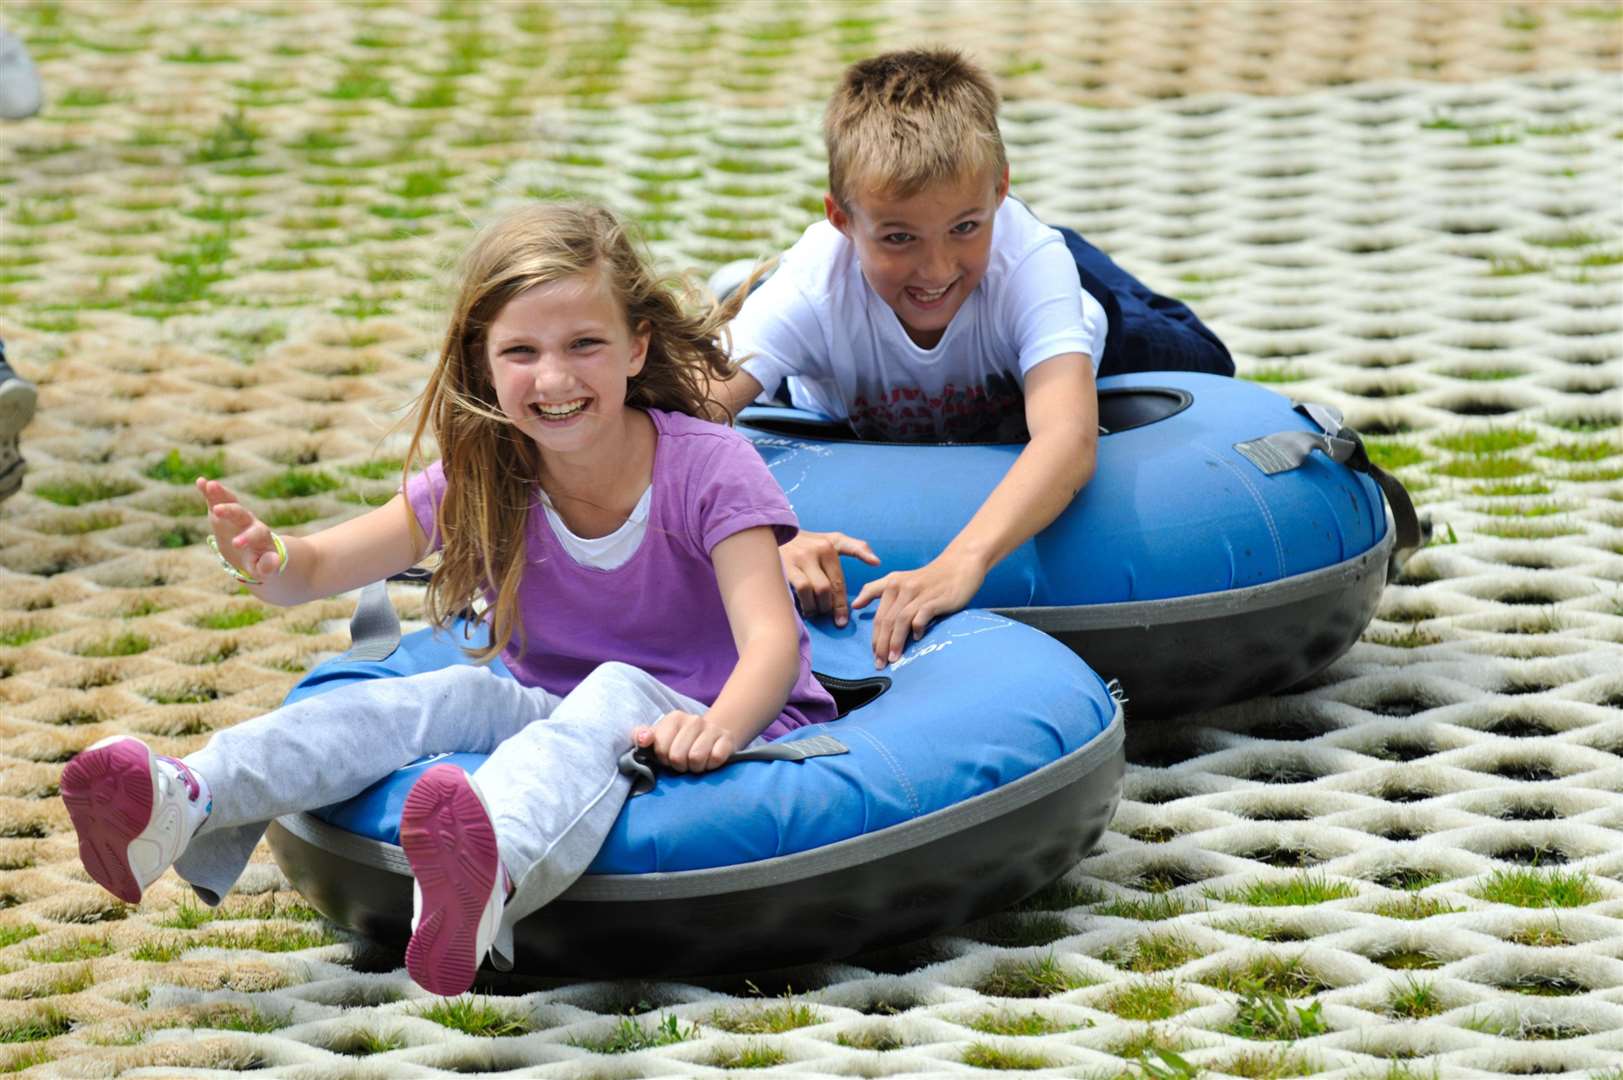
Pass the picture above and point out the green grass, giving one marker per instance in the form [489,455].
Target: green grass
[1487,441]
[1005,1022]
[748,1056]
[365,1043]
[1390,454]
[283,517]
[474,1016]
[1153,953]
[1540,936]
[1596,450]
[1408,960]
[25,1059]
[1152,999]
[632,1035]
[1413,1000]
[1484,468]
[1513,489]
[81,524]
[188,694]
[1265,1015]
[81,949]
[240,1018]
[232,618]
[1151,908]
[296,484]
[765,1019]
[1031,979]
[1412,638]
[1303,889]
[19,634]
[1533,888]
[1528,530]
[1269,1065]
[125,644]
[175,469]
[878,1039]
[1060,895]
[1017,931]
[11,935]
[1287,976]
[377,468]
[79,492]
[273,939]
[1545,508]
[159,950]
[986,1056]
[46,1023]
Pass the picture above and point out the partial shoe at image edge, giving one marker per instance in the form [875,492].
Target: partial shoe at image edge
[17,400]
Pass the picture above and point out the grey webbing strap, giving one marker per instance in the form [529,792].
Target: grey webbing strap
[374,629]
[639,764]
[1287,450]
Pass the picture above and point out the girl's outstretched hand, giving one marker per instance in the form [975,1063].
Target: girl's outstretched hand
[243,538]
[687,742]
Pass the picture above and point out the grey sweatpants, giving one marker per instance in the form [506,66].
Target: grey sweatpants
[552,781]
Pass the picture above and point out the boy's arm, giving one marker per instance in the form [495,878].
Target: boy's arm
[811,561]
[1062,414]
[767,635]
[735,394]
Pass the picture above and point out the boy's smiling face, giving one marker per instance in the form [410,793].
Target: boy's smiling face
[926,253]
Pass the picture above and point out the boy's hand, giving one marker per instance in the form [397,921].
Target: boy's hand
[687,742]
[811,562]
[243,538]
[910,599]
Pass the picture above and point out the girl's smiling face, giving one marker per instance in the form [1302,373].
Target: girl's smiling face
[560,357]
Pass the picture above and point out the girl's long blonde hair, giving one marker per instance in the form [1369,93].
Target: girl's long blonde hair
[493,469]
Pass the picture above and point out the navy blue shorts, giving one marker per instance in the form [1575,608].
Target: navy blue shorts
[1148,331]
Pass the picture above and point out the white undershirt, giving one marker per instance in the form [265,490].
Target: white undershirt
[603,552]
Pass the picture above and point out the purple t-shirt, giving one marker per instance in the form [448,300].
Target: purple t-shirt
[661,610]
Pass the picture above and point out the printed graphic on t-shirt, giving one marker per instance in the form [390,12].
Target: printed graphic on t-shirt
[994,412]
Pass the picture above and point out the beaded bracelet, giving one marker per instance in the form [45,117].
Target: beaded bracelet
[226,565]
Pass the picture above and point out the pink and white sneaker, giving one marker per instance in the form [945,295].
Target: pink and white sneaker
[450,841]
[133,810]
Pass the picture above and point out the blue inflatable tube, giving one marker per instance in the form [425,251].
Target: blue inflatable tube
[979,768]
[1220,551]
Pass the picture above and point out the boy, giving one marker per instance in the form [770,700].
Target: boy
[929,306]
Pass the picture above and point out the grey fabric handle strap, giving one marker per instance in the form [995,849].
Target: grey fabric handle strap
[641,767]
[1287,450]
[374,629]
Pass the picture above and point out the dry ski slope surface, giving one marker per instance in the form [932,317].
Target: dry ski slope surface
[221,252]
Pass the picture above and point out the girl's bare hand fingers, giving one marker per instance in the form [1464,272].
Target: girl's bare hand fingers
[698,755]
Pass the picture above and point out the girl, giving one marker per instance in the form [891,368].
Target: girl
[628,553]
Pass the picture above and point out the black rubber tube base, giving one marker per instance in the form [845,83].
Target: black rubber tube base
[935,886]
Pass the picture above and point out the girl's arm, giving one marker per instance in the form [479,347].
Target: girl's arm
[767,633]
[346,556]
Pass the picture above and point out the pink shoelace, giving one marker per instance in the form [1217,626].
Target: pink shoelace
[193,788]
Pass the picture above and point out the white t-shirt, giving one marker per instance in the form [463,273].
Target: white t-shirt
[817,325]
[604,552]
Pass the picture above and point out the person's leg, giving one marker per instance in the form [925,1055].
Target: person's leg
[320,750]
[17,400]
[555,789]
[1148,331]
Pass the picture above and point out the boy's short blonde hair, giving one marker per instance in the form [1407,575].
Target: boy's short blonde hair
[904,121]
